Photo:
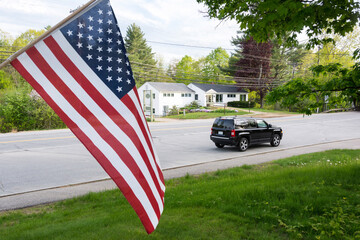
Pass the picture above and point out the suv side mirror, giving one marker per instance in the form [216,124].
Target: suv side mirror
[269,125]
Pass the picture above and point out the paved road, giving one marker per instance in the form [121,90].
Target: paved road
[31,161]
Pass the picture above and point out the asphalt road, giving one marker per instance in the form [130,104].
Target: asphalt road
[33,161]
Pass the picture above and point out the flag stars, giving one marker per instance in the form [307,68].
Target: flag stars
[100,21]
[90,28]
[109,31]
[80,35]
[128,81]
[81,25]
[119,51]
[119,70]
[99,58]
[118,42]
[109,69]
[118,33]
[79,45]
[128,72]
[100,40]
[119,89]
[89,47]
[91,18]
[99,49]
[109,59]
[109,21]
[89,57]
[109,50]
[69,33]
[109,13]
[90,37]
[100,30]
[109,40]
[100,12]
[109,78]
[127,63]
[99,68]
[119,60]
[119,79]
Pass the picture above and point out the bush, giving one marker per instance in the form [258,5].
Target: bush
[193,105]
[173,111]
[19,112]
[241,104]
[221,110]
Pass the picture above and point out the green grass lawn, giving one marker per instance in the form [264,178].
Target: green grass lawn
[204,115]
[312,196]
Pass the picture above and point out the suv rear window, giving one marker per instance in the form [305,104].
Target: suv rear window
[224,123]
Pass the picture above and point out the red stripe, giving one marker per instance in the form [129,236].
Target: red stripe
[104,104]
[104,162]
[116,145]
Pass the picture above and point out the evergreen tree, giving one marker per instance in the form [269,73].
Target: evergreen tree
[141,57]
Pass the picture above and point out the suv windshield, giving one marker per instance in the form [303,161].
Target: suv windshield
[224,123]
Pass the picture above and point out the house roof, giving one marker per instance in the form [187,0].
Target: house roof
[170,87]
[219,88]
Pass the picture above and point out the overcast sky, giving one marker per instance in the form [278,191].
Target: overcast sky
[167,21]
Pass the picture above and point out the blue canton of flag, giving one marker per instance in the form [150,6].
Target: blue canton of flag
[97,38]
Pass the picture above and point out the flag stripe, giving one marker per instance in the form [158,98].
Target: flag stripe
[93,135]
[110,111]
[105,128]
[124,181]
[119,105]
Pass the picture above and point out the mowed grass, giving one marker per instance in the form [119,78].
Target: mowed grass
[313,196]
[205,115]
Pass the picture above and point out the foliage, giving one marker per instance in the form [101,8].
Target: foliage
[141,57]
[174,110]
[273,18]
[341,88]
[207,114]
[212,65]
[193,105]
[187,70]
[312,196]
[241,104]
[253,68]
[19,111]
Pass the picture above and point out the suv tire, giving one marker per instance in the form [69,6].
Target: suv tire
[243,144]
[275,141]
[219,145]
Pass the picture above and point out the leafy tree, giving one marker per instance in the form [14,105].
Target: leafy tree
[141,57]
[253,68]
[187,70]
[268,19]
[341,88]
[213,64]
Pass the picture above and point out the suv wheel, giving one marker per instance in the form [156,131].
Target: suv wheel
[243,144]
[275,141]
[219,145]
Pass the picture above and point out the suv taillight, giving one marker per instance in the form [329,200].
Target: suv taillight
[233,133]
[211,131]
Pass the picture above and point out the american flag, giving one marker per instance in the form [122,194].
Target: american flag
[83,72]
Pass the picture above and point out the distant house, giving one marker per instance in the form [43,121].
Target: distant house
[164,96]
[212,94]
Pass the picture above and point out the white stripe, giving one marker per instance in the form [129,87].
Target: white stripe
[99,114]
[120,107]
[91,133]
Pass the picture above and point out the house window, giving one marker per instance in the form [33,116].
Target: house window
[164,95]
[172,94]
[243,97]
[196,97]
[231,95]
[168,95]
[189,95]
[219,98]
[153,95]
[182,95]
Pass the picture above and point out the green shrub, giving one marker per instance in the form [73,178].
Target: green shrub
[193,105]
[174,110]
[19,112]
[241,104]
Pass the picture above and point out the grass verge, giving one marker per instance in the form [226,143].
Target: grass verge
[312,196]
[205,115]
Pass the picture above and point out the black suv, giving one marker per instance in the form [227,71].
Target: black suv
[242,132]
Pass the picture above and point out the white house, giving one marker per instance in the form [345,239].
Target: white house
[210,94]
[164,96]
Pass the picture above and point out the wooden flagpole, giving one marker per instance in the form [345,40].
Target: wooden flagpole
[45,34]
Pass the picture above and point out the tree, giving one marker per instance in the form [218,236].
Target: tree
[141,57]
[253,68]
[187,70]
[212,65]
[268,19]
[341,88]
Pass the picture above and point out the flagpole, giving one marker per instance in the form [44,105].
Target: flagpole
[47,33]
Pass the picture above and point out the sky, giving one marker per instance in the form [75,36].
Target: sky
[180,22]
